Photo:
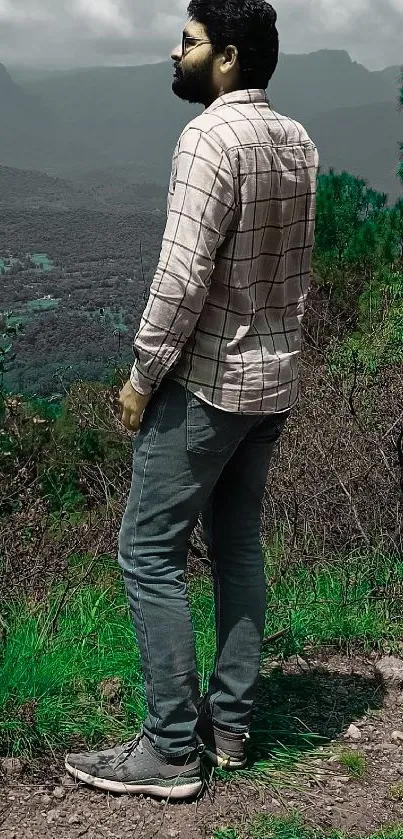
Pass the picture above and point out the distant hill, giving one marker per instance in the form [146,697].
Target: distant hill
[29,190]
[126,115]
[364,141]
[31,134]
[307,85]
[98,190]
[22,119]
[391,75]
[126,119]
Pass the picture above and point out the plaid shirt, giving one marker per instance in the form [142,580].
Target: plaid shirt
[226,303]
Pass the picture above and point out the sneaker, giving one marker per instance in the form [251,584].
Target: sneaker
[224,749]
[136,767]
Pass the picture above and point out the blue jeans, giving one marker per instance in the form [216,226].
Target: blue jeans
[191,458]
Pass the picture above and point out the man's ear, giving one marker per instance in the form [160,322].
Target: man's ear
[230,58]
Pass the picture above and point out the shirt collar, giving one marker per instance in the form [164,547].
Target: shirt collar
[239,97]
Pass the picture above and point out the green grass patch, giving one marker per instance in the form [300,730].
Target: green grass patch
[354,762]
[42,261]
[270,827]
[396,792]
[353,598]
[43,304]
[59,657]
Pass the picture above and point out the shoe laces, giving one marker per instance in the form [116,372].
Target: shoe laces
[127,749]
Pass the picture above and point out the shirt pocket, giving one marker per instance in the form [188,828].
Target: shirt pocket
[211,431]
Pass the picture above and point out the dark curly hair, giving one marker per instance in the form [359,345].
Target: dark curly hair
[248,24]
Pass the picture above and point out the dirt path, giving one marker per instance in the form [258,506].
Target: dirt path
[327,693]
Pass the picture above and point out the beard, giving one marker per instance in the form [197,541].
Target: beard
[195,84]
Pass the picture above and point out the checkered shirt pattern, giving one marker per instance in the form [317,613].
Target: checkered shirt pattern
[228,296]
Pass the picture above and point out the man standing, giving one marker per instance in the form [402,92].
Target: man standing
[216,378]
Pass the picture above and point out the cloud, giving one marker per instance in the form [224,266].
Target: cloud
[67,33]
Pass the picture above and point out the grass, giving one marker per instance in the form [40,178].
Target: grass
[53,666]
[57,654]
[269,827]
[354,598]
[396,792]
[354,762]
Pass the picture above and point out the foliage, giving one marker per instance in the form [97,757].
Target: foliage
[292,827]
[52,671]
[358,259]
[356,233]
[8,331]
[84,437]
[72,449]
[354,762]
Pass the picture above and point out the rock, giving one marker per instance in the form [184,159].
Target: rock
[67,780]
[11,767]
[59,793]
[390,670]
[385,747]
[46,799]
[397,737]
[302,664]
[344,779]
[74,819]
[333,781]
[52,816]
[353,733]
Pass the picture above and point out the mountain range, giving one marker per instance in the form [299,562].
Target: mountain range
[126,119]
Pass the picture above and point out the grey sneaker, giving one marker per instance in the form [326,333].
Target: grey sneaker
[224,749]
[136,767]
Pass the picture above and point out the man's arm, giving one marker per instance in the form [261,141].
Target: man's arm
[200,213]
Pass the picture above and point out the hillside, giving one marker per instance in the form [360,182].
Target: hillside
[31,134]
[363,141]
[29,190]
[98,191]
[68,123]
[307,85]
[391,75]
[126,115]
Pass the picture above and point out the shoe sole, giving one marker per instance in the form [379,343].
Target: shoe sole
[176,791]
[224,761]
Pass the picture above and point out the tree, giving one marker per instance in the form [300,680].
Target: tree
[355,230]
[8,331]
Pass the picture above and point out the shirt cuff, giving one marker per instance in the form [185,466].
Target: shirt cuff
[141,383]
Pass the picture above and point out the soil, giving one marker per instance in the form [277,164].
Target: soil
[327,692]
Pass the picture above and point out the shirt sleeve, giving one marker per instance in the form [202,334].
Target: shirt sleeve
[200,210]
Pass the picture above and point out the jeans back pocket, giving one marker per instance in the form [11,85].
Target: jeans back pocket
[211,431]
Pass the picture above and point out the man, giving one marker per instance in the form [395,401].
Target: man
[216,378]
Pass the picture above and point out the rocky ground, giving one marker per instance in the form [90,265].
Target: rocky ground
[356,701]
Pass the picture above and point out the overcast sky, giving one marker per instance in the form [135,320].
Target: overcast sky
[69,33]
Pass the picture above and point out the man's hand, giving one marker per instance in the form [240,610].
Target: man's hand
[134,405]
